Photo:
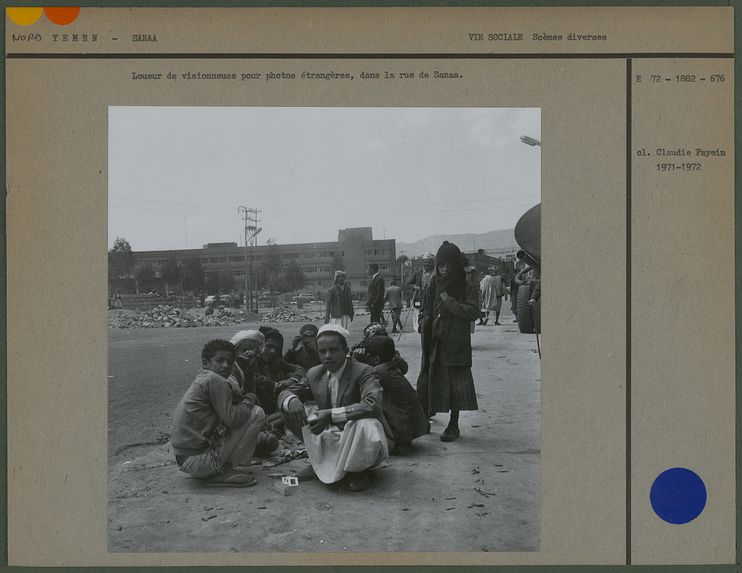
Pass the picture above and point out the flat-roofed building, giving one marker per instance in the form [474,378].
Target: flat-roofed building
[354,250]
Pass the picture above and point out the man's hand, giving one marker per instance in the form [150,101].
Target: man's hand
[296,412]
[532,301]
[444,296]
[284,384]
[295,342]
[323,419]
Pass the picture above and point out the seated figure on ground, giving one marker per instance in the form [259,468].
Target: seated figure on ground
[245,379]
[303,351]
[402,409]
[212,434]
[276,375]
[347,435]
[377,329]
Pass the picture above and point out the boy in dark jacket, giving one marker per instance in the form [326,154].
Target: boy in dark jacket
[401,407]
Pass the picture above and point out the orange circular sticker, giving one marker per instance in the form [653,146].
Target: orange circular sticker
[23,16]
[62,15]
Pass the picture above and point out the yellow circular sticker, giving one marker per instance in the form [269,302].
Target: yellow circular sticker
[24,16]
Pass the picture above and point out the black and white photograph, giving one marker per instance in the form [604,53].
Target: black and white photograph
[324,329]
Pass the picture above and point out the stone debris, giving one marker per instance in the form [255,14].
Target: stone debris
[165,316]
[286,314]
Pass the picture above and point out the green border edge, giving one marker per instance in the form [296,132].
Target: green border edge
[730,568]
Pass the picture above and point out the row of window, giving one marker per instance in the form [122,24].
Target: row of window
[259,257]
[313,254]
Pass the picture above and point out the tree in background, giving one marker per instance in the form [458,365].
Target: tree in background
[295,279]
[193,276]
[219,282]
[270,267]
[145,277]
[171,273]
[120,259]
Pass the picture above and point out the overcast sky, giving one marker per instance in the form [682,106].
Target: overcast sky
[177,175]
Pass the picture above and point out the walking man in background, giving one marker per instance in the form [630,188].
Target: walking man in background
[339,309]
[420,281]
[393,295]
[375,300]
[492,289]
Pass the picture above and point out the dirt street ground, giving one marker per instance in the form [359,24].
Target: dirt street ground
[480,493]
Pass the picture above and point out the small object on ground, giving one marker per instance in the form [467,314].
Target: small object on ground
[475,471]
[231,480]
[281,487]
[475,505]
[208,517]
[450,498]
[291,481]
[289,455]
[450,508]
[483,492]
[262,507]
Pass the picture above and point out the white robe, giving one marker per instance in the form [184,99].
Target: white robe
[361,445]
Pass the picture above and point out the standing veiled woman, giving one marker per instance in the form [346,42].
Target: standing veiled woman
[445,382]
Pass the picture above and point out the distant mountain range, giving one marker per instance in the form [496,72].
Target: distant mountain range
[491,242]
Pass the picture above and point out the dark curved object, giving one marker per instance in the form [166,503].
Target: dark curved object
[528,236]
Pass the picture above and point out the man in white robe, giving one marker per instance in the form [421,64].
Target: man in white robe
[346,436]
[492,289]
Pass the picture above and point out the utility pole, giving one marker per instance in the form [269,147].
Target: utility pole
[251,220]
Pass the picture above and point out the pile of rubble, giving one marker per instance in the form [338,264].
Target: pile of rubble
[286,314]
[165,316]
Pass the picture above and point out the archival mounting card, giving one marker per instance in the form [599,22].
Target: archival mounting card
[636,356]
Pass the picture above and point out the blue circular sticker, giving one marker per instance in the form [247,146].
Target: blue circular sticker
[678,495]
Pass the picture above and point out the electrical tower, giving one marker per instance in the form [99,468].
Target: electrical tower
[251,218]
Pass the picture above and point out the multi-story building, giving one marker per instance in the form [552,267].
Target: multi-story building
[354,250]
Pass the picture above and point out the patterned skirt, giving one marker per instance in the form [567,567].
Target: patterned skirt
[442,388]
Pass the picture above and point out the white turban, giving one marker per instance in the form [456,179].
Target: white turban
[336,328]
[255,335]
